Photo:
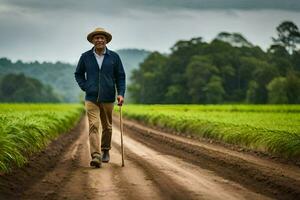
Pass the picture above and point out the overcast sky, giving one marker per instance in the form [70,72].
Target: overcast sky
[55,30]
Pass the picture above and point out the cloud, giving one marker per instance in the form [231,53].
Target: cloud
[56,30]
[120,6]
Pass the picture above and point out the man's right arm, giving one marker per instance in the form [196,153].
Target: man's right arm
[80,74]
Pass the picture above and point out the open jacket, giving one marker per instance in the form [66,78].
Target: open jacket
[100,83]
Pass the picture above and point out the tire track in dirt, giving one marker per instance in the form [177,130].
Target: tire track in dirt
[73,178]
[54,182]
[178,179]
[163,185]
[273,179]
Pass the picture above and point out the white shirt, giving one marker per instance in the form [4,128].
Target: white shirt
[99,58]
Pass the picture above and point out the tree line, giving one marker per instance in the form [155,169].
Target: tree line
[58,75]
[229,69]
[19,88]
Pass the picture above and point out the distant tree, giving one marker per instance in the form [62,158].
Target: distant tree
[278,50]
[252,92]
[5,62]
[293,87]
[147,80]
[245,73]
[225,58]
[263,74]
[182,53]
[280,58]
[277,91]
[19,88]
[176,94]
[183,45]
[235,39]
[296,60]
[288,35]
[198,73]
[214,90]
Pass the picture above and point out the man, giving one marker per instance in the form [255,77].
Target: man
[100,73]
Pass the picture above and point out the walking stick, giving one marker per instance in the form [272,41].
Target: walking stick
[121,130]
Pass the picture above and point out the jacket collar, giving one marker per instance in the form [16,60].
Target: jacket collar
[107,52]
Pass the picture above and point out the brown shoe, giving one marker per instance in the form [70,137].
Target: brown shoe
[96,160]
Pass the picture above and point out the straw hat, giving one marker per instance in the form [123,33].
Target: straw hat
[99,31]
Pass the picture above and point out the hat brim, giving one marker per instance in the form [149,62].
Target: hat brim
[106,34]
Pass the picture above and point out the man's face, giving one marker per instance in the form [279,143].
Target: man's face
[99,41]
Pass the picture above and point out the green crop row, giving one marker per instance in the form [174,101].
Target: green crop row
[274,129]
[225,108]
[28,128]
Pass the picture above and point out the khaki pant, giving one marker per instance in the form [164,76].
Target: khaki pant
[100,125]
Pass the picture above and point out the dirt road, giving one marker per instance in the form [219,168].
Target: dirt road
[153,169]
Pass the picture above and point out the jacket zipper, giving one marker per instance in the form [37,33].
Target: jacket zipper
[98,87]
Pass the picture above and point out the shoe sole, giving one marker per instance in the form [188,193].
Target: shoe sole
[105,161]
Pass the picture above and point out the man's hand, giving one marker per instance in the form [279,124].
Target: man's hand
[120,100]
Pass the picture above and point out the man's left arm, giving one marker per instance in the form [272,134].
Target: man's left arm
[120,81]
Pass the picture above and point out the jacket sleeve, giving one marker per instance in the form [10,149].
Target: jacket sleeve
[120,77]
[80,74]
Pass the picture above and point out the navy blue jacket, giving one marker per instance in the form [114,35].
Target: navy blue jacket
[101,85]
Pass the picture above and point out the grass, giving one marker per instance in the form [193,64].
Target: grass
[28,128]
[270,128]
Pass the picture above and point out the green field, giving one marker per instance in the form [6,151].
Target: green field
[269,128]
[28,128]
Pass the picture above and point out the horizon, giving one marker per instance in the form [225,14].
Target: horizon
[140,49]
